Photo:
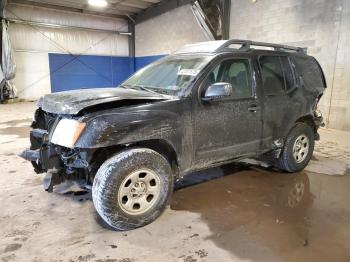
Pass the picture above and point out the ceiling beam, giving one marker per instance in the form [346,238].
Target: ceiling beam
[68,9]
[158,9]
[151,1]
[137,4]
[125,8]
[57,26]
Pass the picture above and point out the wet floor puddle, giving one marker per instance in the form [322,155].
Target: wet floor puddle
[286,212]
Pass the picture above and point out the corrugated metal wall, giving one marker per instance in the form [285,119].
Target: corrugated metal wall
[33,44]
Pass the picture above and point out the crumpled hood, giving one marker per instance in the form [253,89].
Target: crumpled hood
[72,102]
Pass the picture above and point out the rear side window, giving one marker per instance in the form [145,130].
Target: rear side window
[288,72]
[310,71]
[272,75]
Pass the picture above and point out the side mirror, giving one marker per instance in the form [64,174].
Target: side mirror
[217,91]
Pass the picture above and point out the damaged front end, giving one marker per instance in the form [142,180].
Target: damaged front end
[64,135]
[60,162]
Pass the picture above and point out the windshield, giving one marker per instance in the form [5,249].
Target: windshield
[169,75]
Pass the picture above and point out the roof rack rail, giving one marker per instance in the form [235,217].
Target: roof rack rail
[246,45]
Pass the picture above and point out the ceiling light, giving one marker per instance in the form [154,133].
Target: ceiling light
[98,3]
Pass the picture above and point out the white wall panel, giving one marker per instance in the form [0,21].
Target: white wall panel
[25,37]
[32,44]
[168,32]
[76,41]
[33,76]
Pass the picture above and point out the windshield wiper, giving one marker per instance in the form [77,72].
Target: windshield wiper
[137,87]
[146,89]
[142,87]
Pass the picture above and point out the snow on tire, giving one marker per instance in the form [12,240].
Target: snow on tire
[132,188]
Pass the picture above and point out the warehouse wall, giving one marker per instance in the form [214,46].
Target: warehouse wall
[38,48]
[51,59]
[167,32]
[321,25]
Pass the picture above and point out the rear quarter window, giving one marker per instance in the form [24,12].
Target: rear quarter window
[310,71]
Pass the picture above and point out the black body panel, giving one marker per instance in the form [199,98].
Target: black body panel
[196,133]
[72,102]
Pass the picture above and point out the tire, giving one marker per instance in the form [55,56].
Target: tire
[132,188]
[295,161]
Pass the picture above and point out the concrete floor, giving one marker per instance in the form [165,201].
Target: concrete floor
[233,213]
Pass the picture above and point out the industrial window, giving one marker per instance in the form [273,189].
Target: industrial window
[237,73]
[272,75]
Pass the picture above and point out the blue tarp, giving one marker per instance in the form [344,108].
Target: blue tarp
[145,60]
[70,72]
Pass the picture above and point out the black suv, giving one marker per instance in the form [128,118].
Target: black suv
[207,104]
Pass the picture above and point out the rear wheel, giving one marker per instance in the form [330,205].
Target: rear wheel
[132,188]
[298,148]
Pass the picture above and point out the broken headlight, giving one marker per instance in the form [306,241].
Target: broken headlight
[67,132]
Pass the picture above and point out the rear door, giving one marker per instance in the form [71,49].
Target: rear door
[279,101]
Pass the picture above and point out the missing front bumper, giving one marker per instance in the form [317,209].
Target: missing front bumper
[30,155]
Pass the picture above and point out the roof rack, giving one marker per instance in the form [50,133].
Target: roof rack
[246,45]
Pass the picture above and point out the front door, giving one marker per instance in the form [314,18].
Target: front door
[230,127]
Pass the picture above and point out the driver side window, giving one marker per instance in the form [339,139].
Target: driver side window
[237,73]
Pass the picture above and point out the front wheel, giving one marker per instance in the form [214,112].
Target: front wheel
[298,148]
[132,188]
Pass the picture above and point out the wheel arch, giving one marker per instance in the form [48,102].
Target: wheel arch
[164,148]
[309,120]
[161,146]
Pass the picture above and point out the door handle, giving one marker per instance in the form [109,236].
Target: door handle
[254,108]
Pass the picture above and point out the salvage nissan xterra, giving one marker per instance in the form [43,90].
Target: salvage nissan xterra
[207,104]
